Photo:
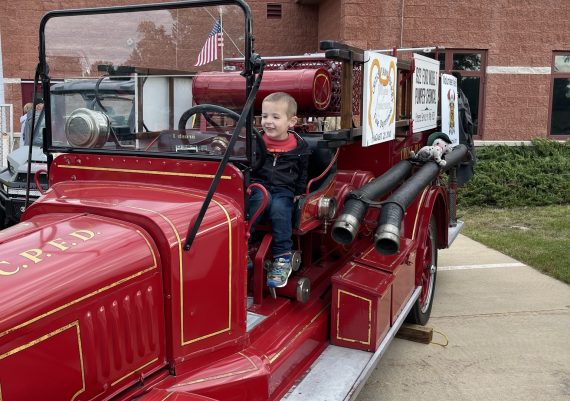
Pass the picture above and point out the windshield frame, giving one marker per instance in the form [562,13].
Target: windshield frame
[248,72]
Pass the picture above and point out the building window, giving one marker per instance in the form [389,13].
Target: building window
[471,64]
[560,94]
[273,11]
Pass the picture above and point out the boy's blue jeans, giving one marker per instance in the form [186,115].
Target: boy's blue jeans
[279,212]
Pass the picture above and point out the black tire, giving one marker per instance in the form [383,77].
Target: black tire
[421,310]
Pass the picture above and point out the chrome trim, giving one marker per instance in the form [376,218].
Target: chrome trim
[453,232]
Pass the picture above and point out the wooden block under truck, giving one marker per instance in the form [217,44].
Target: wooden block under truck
[128,278]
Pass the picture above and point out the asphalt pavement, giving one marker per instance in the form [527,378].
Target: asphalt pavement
[507,329]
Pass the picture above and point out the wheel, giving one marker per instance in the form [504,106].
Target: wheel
[204,109]
[421,310]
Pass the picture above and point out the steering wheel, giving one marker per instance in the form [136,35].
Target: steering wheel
[204,109]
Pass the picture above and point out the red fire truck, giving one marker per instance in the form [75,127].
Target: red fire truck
[127,279]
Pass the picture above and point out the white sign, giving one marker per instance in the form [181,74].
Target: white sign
[379,100]
[425,93]
[449,109]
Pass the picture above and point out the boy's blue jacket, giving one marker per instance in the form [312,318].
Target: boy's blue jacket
[287,169]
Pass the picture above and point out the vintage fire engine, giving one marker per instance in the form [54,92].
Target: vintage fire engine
[128,278]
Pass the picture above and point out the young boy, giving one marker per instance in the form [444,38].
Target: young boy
[284,175]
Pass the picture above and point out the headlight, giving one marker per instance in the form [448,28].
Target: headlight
[86,128]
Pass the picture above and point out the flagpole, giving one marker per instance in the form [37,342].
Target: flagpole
[221,35]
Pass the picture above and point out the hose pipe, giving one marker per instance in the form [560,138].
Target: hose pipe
[387,236]
[347,224]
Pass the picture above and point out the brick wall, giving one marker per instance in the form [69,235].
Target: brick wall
[295,33]
[514,33]
[329,20]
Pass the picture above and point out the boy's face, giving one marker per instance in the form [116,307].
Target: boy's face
[275,121]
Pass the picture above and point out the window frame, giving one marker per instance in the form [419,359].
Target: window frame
[554,75]
[481,74]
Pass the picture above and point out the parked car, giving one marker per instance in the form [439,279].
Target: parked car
[13,178]
[115,96]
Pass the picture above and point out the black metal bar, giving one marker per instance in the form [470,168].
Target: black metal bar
[33,128]
[245,115]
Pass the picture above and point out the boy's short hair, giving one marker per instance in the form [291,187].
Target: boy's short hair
[287,98]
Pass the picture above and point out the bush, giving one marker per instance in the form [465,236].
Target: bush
[512,176]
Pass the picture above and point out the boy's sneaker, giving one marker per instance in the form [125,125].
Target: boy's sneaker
[280,271]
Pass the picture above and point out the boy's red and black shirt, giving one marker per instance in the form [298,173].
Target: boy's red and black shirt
[285,168]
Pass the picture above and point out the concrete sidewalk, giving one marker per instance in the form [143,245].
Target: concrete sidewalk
[508,328]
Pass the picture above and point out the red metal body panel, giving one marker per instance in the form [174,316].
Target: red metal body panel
[400,267]
[311,88]
[169,172]
[166,213]
[77,321]
[361,307]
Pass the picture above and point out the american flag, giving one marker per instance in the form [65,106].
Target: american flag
[209,51]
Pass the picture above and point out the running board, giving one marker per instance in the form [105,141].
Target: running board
[453,232]
[340,373]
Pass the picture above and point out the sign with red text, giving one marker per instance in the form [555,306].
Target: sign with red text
[425,93]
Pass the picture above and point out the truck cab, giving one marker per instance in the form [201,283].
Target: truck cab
[128,279]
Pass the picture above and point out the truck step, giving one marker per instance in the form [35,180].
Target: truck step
[350,368]
[453,232]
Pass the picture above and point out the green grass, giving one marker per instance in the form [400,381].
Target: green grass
[537,236]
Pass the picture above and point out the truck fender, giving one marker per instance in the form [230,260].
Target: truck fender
[434,203]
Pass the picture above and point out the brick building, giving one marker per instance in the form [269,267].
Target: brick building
[514,55]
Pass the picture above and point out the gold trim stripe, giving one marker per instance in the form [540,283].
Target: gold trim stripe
[180,253]
[348,271]
[100,290]
[221,376]
[338,317]
[149,247]
[134,371]
[150,172]
[77,300]
[45,337]
[274,357]
[418,212]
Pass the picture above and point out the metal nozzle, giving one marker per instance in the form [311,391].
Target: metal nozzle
[387,239]
[345,229]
